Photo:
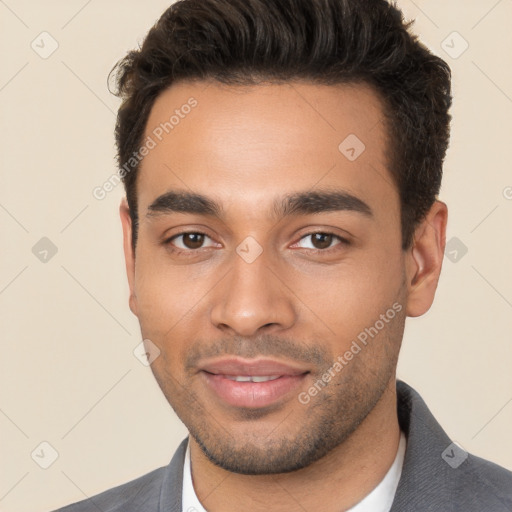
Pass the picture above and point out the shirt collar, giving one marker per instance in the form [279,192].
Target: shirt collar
[378,500]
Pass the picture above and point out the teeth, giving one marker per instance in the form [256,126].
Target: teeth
[263,379]
[241,378]
[252,378]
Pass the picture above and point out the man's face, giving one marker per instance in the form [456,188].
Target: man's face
[268,278]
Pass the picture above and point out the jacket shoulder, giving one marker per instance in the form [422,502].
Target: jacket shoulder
[485,481]
[160,488]
[440,475]
[141,492]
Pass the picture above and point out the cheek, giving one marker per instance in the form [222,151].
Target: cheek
[345,299]
[163,293]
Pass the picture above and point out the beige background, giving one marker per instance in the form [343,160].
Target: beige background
[68,373]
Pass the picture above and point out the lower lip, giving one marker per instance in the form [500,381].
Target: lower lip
[253,394]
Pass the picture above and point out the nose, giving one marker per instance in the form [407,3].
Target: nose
[252,299]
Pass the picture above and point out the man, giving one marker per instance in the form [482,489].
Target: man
[282,161]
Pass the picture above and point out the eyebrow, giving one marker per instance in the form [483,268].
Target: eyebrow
[184,202]
[299,203]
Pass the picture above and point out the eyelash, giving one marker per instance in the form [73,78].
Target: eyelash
[193,252]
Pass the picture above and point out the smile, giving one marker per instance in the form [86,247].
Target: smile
[251,378]
[252,383]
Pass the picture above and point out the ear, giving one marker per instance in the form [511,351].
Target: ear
[424,260]
[129,255]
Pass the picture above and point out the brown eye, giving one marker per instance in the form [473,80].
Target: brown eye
[193,240]
[188,241]
[321,240]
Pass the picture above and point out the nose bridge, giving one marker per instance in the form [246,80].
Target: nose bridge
[251,296]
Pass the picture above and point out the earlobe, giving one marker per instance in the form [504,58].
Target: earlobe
[129,255]
[424,260]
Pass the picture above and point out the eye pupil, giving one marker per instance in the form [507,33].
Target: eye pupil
[193,240]
[321,240]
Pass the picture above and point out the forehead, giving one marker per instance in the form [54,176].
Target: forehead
[255,143]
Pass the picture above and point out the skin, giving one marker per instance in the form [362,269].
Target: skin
[297,303]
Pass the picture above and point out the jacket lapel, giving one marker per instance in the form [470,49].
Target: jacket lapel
[172,485]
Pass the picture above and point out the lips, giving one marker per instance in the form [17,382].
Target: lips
[252,383]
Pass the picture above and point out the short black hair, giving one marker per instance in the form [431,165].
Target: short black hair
[245,42]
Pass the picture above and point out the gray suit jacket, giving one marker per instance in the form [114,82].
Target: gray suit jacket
[437,475]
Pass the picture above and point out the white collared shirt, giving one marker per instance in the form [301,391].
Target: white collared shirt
[379,500]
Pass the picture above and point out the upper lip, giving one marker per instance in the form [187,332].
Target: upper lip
[248,367]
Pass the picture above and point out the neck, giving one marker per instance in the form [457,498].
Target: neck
[339,480]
